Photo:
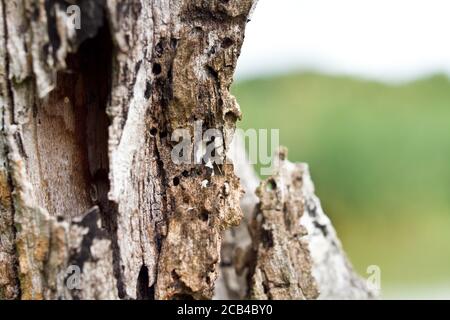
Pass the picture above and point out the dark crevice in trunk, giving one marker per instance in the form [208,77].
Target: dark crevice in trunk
[96,68]
[143,291]
[72,133]
[96,59]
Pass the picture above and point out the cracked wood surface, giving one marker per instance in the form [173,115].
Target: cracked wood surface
[286,247]
[86,174]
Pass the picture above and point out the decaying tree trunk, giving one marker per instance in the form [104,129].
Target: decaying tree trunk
[285,247]
[86,175]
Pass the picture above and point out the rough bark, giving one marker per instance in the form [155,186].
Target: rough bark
[87,117]
[86,174]
[286,247]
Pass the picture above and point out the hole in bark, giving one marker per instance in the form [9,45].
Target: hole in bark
[267,238]
[227,42]
[185,173]
[159,49]
[271,185]
[231,117]
[176,181]
[173,43]
[156,69]
[213,73]
[204,215]
[153,131]
[197,30]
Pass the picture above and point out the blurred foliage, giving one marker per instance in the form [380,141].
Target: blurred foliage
[380,158]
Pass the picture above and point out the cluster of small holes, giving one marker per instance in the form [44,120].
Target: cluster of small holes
[204,215]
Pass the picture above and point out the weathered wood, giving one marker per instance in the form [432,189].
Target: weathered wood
[292,250]
[280,261]
[87,118]
[87,176]
[9,282]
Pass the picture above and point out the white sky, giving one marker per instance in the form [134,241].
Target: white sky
[388,40]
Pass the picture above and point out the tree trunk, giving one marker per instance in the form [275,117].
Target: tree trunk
[285,247]
[92,204]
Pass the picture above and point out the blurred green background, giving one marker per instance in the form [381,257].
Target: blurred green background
[380,158]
